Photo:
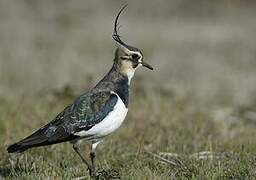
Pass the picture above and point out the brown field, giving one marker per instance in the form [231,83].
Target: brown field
[194,117]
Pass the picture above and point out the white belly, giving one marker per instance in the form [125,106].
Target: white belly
[110,123]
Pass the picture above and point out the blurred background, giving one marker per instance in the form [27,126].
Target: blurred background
[200,99]
[204,48]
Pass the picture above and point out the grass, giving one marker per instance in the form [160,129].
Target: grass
[163,137]
[192,118]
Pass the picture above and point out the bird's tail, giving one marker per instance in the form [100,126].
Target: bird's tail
[40,138]
[36,139]
[16,148]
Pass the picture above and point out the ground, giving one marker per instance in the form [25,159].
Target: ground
[193,117]
[163,137]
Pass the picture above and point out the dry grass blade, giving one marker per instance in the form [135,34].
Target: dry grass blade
[80,178]
[177,162]
[206,155]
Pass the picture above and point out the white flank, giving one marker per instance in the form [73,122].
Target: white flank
[110,123]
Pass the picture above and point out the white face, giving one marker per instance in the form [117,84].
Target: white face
[130,61]
[135,57]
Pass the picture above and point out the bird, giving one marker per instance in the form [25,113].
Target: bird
[95,114]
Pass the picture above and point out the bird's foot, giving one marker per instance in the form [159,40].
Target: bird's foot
[107,174]
[92,172]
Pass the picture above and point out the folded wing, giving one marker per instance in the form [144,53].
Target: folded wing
[87,110]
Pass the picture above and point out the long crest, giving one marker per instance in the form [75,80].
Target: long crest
[115,35]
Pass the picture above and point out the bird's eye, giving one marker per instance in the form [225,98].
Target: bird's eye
[135,56]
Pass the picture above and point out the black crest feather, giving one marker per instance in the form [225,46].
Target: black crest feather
[115,35]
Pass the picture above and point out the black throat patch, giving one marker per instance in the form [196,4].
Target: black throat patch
[122,89]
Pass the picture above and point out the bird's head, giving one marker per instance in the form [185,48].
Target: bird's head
[127,57]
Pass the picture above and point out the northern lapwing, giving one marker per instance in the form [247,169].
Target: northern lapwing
[95,114]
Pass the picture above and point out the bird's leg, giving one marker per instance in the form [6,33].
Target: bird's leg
[93,157]
[76,148]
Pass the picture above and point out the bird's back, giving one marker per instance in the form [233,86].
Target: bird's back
[87,111]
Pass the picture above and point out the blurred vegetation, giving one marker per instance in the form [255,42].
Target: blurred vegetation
[194,117]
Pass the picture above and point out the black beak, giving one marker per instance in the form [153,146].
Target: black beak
[147,65]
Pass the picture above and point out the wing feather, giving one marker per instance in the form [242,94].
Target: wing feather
[87,110]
